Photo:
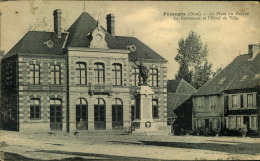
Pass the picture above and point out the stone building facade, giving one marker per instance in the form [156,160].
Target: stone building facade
[80,80]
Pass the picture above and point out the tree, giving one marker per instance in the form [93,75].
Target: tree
[192,57]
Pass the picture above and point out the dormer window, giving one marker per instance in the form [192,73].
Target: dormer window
[257,76]
[221,81]
[244,78]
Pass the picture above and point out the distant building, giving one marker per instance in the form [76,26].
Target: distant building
[82,79]
[180,104]
[232,97]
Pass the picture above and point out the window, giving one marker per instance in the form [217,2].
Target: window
[117,113]
[99,114]
[81,73]
[81,114]
[117,74]
[250,100]
[132,110]
[254,122]
[99,73]
[135,74]
[244,78]
[234,101]
[153,78]
[155,108]
[241,101]
[232,122]
[222,81]
[212,104]
[34,76]
[35,108]
[239,121]
[200,102]
[55,74]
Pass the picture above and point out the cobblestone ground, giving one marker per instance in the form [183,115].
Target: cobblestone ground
[95,146]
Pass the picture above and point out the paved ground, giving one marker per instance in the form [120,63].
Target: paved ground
[95,146]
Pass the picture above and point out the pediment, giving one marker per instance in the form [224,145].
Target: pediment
[98,38]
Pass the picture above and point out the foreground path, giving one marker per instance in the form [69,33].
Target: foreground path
[122,147]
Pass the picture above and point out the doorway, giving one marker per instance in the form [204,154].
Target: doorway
[55,115]
[99,114]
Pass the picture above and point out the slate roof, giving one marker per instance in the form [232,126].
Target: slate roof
[179,91]
[34,42]
[239,74]
[78,37]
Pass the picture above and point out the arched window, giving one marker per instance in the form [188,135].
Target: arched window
[55,114]
[153,78]
[81,73]
[55,74]
[117,113]
[117,74]
[35,110]
[81,114]
[99,114]
[34,76]
[99,73]
[155,108]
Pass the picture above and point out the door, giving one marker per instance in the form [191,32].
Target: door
[99,115]
[117,116]
[246,121]
[206,124]
[55,115]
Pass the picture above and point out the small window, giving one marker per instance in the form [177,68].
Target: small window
[155,109]
[34,75]
[250,100]
[55,74]
[234,101]
[244,78]
[212,103]
[35,110]
[117,74]
[153,78]
[99,73]
[221,81]
[81,73]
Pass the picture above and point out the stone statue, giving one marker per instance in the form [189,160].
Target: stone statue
[143,72]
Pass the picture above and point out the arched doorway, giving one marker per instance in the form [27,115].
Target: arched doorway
[99,114]
[81,114]
[117,113]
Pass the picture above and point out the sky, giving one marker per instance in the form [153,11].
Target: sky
[146,21]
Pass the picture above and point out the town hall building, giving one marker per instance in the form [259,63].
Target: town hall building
[80,80]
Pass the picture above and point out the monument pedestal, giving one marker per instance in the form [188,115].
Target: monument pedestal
[144,123]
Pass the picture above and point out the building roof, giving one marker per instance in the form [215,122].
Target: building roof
[38,42]
[179,91]
[180,86]
[85,24]
[34,42]
[241,73]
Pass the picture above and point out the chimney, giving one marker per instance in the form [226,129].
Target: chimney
[111,24]
[253,50]
[57,22]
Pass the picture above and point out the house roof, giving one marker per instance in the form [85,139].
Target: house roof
[79,36]
[241,73]
[38,42]
[85,24]
[179,91]
[180,86]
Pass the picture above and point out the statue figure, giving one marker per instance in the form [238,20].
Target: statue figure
[143,72]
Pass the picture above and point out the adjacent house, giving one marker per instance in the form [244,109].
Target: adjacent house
[180,105]
[231,99]
[79,80]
